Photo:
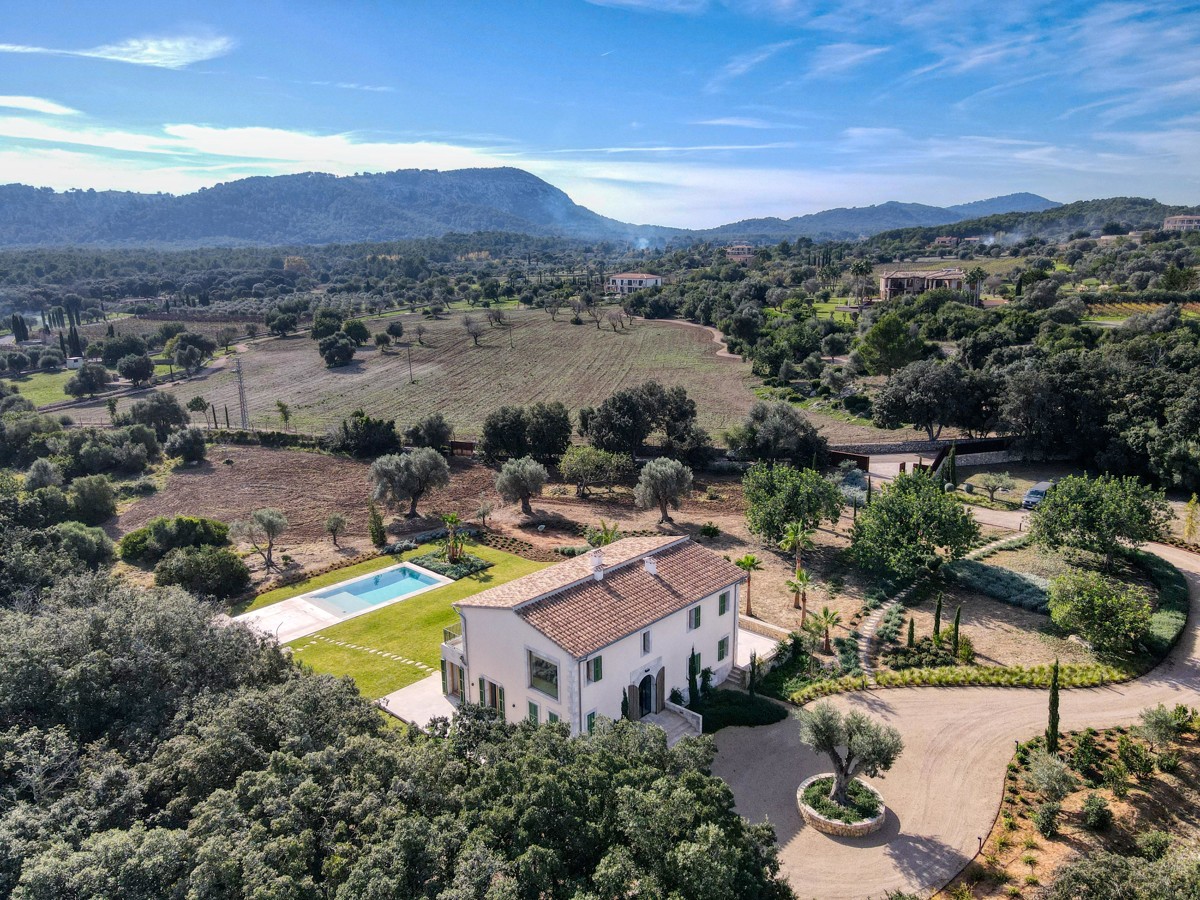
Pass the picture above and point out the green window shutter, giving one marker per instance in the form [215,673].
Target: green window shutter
[533,712]
[500,701]
[591,722]
[482,693]
[599,668]
[722,604]
[552,718]
[697,617]
[444,685]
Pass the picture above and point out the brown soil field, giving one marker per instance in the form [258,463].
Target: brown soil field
[578,365]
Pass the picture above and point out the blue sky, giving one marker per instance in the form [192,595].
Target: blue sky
[675,112]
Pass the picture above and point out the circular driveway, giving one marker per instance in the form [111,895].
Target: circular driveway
[944,792]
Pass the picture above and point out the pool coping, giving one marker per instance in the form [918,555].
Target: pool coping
[319,617]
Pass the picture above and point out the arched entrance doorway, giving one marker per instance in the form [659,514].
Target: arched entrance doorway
[646,696]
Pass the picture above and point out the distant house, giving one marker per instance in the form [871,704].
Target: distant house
[628,282]
[739,253]
[623,625]
[945,241]
[1181,223]
[897,284]
[74,362]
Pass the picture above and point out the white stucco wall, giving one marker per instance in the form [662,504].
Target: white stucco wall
[497,641]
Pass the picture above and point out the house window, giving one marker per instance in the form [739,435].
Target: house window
[693,616]
[543,675]
[491,695]
[533,712]
[723,603]
[552,717]
[645,642]
[591,722]
[595,668]
[722,648]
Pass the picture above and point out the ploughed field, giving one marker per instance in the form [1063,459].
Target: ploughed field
[576,364]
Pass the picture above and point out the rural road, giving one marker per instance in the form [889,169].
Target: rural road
[944,792]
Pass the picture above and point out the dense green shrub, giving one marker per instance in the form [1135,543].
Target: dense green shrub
[924,654]
[210,571]
[1045,819]
[160,535]
[187,444]
[721,709]
[91,546]
[92,499]
[1096,814]
[466,565]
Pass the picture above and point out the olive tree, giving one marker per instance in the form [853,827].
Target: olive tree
[663,483]
[996,481]
[261,531]
[400,477]
[519,480]
[854,743]
[42,473]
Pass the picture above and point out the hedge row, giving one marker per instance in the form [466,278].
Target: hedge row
[1170,615]
[829,686]
[1070,675]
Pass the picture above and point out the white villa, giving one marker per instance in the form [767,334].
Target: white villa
[570,642]
[628,282]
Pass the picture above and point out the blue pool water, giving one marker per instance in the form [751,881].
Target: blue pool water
[371,590]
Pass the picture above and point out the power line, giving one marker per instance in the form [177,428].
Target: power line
[237,368]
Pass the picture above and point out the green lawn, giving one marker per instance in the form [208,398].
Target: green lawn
[41,388]
[410,628]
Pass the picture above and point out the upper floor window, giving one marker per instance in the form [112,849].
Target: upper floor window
[645,642]
[723,603]
[693,618]
[543,675]
[595,668]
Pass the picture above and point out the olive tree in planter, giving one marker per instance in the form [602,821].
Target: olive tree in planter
[854,743]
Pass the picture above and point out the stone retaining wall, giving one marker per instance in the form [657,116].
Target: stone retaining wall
[832,826]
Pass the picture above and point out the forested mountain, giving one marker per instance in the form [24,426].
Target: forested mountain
[1009,203]
[313,208]
[1116,215]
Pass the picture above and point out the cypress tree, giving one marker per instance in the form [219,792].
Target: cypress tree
[952,466]
[375,526]
[912,632]
[869,489]
[937,619]
[73,342]
[1052,724]
[226,415]
[954,639]
[624,705]
[62,343]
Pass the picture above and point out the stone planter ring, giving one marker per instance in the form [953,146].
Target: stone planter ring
[832,826]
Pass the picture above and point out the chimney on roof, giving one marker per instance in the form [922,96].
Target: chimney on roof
[651,565]
[596,561]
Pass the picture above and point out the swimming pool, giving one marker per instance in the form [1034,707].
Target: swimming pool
[374,590]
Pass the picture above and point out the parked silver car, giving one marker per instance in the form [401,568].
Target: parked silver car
[1036,494]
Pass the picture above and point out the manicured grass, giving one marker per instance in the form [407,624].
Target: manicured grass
[411,629]
[318,581]
[42,388]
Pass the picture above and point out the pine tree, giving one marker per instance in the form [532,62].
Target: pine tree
[954,639]
[912,632]
[937,620]
[1052,725]
[375,526]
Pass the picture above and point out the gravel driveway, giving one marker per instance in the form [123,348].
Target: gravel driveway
[944,792]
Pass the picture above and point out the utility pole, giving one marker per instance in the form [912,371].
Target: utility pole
[241,384]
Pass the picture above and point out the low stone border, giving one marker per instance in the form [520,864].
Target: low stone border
[832,826]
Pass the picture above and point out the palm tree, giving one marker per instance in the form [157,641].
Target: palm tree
[453,542]
[603,534]
[975,279]
[799,588]
[748,564]
[796,539]
[826,620]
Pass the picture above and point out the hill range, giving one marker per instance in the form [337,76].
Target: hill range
[314,208]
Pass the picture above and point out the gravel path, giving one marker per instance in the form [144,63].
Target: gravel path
[944,792]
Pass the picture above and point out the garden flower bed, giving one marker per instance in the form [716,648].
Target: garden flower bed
[864,815]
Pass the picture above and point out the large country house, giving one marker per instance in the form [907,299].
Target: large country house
[624,622]
[897,284]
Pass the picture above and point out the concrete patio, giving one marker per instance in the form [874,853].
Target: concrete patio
[418,703]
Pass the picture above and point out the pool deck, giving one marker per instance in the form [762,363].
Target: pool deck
[298,616]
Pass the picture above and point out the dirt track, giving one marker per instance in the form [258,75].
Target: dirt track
[943,793]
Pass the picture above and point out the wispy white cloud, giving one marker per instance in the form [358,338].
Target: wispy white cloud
[679,148]
[736,122]
[168,52]
[353,86]
[746,62]
[837,59]
[36,104]
[662,6]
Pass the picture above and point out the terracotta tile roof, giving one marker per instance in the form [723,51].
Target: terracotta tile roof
[642,275]
[556,577]
[593,614]
[931,273]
